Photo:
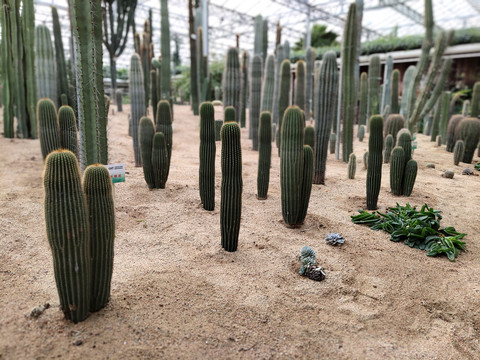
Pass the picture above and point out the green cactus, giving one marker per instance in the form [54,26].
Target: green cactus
[231,188]
[66,220]
[119,100]
[397,169]
[409,177]
[309,60]
[258,36]
[291,164]
[307,180]
[365,159]
[264,154]
[451,137]
[348,80]
[299,92]
[283,98]
[309,137]
[268,85]
[255,97]
[408,77]
[352,166]
[28,27]
[45,65]
[386,89]
[394,104]
[163,124]
[63,99]
[475,104]
[231,80]
[62,79]
[404,139]
[324,105]
[374,169]
[436,120]
[264,40]
[193,58]
[361,132]
[439,140]
[332,141]
[207,156]
[389,145]
[374,78]
[363,99]
[146,133]
[230,114]
[8,81]
[98,189]
[137,101]
[68,129]
[144,48]
[458,152]
[160,161]
[48,129]
[154,91]
[218,128]
[202,65]
[243,100]
[466,108]
[217,95]
[445,112]
[280,56]
[469,132]
[165,51]
[394,123]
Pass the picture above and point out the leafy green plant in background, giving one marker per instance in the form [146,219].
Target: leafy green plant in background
[416,228]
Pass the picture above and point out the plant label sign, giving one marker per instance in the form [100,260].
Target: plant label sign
[117,172]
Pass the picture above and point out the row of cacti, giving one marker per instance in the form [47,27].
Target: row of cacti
[80,225]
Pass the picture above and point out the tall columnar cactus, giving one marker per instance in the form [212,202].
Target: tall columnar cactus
[444,113]
[66,220]
[374,169]
[291,165]
[458,151]
[231,188]
[309,137]
[307,178]
[207,156]
[409,177]
[8,81]
[268,85]
[394,123]
[137,100]
[255,98]
[264,154]
[98,189]
[394,104]
[283,98]
[48,129]
[397,169]
[469,132]
[163,124]
[373,86]
[231,80]
[332,141]
[280,56]
[363,100]
[165,51]
[349,98]
[258,35]
[452,125]
[119,100]
[475,105]
[309,60]
[325,100]
[45,65]
[62,79]
[300,97]
[68,128]
[144,48]
[408,77]
[86,22]
[352,166]
[264,40]
[160,162]
[244,86]
[193,57]
[146,133]
[202,67]
[389,144]
[154,91]
[28,27]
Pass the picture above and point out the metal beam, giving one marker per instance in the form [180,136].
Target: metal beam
[475,4]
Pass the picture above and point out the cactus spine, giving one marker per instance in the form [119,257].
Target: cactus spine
[374,169]
[244,95]
[389,144]
[397,169]
[255,95]
[348,80]
[68,128]
[283,98]
[362,111]
[309,60]
[394,104]
[469,132]
[300,85]
[452,124]
[137,99]
[325,98]
[268,85]
[352,166]
[264,154]
[66,220]
[207,156]
[231,80]
[373,86]
[475,105]
[458,152]
[231,189]
[165,50]
[146,133]
[62,79]
[160,162]
[48,129]
[98,189]
[45,65]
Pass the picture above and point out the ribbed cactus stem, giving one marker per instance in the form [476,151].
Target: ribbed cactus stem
[258,36]
[268,85]
[332,141]
[325,100]
[207,156]
[397,169]
[300,85]
[244,94]
[231,188]
[264,154]
[283,98]
[98,189]
[373,86]
[363,99]
[389,144]
[352,166]
[394,123]
[146,133]
[154,91]
[68,129]
[374,169]
[475,105]
[307,178]
[66,220]
[163,124]
[264,39]
[394,103]
[255,98]
[445,112]
[45,65]
[231,80]
[309,138]
[60,57]
[469,132]
[451,128]
[48,129]
[409,177]
[309,60]
[230,114]
[218,128]
[160,163]
[386,89]
[407,81]
[280,56]
[458,151]
[404,139]
[165,50]
[137,101]
[28,25]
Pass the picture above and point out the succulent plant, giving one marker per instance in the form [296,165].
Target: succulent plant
[163,124]
[409,176]
[458,152]
[397,169]
[264,154]
[388,148]
[255,97]
[146,133]
[361,132]
[469,132]
[374,169]
[394,123]
[160,163]
[207,156]
[334,239]
[68,129]
[451,131]
[137,101]
[48,128]
[231,80]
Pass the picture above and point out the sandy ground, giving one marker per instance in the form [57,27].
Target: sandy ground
[177,294]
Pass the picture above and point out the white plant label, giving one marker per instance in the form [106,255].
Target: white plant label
[117,172]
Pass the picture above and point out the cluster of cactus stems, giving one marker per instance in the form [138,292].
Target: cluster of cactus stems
[450,134]
[283,97]
[255,98]
[207,156]
[403,169]
[137,101]
[468,130]
[299,91]
[325,100]
[231,81]
[268,85]
[374,162]
[264,154]
[80,227]
[309,61]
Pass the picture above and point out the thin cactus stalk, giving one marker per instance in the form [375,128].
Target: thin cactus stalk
[389,144]
[307,180]
[98,189]
[146,133]
[408,78]
[283,98]
[264,40]
[409,177]
[458,151]
[255,98]
[119,100]
[163,124]
[325,100]
[8,83]
[475,105]
[193,58]
[469,132]
[231,188]
[348,80]
[394,104]
[153,91]
[45,65]
[62,79]
[160,161]
[268,85]
[397,169]
[286,50]
[258,36]
[373,86]
[439,140]
[374,169]
[144,48]
[68,129]
[207,156]
[444,115]
[28,24]
[137,101]
[387,74]
[165,51]
[264,154]
[66,220]
[436,119]
[365,159]
[63,99]
[352,166]
[309,60]
[48,129]
[280,56]
[363,99]
[231,81]
[309,137]
[452,124]
[244,95]
[202,67]
[299,92]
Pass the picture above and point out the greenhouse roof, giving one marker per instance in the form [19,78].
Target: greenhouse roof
[230,17]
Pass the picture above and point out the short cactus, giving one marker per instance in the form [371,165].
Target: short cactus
[439,140]
[409,177]
[230,114]
[300,85]
[332,141]
[119,100]
[394,123]
[451,131]
[352,166]
[458,152]
[361,132]
[309,136]
[469,132]
[388,148]
[397,169]
[404,139]
[264,154]
[163,123]
[48,129]
[374,169]
[307,179]
[146,133]
[68,129]
[160,161]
